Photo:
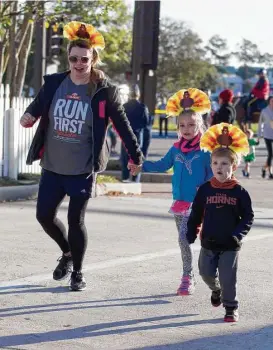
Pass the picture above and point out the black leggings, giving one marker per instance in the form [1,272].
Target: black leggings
[268,144]
[51,194]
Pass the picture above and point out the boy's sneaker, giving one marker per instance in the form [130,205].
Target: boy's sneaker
[232,314]
[63,268]
[77,282]
[187,286]
[216,298]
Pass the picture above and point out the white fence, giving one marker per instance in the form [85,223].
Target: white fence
[14,139]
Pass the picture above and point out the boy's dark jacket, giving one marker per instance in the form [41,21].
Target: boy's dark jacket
[226,216]
[105,104]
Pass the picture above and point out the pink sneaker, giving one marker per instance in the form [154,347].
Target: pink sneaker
[187,286]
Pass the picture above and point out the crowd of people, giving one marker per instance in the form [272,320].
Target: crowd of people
[75,109]
[259,102]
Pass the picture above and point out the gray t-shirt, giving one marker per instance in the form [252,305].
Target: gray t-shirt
[68,146]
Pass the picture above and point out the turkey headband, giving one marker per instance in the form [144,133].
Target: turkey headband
[225,135]
[81,31]
[188,99]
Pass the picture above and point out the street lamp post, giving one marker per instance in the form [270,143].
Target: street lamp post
[145,49]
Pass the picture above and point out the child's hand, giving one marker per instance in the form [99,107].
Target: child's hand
[235,242]
[190,239]
[134,169]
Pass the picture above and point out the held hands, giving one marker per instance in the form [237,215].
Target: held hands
[134,169]
[27,120]
[191,239]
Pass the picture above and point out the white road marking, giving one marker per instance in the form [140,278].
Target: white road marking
[116,262]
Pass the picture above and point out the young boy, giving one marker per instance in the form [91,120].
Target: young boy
[250,157]
[223,207]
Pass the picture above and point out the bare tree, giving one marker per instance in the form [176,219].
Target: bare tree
[218,50]
[16,31]
[17,21]
[266,59]
[181,59]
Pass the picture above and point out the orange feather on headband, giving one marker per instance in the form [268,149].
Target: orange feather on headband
[81,31]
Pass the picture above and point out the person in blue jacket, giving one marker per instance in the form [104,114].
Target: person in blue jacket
[191,168]
[138,116]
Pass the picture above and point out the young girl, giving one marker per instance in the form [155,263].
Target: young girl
[191,168]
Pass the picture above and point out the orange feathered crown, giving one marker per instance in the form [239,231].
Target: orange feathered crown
[188,99]
[81,31]
[225,135]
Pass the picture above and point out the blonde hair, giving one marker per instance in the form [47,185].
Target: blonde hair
[228,153]
[198,117]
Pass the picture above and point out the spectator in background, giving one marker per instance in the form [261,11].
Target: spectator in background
[250,157]
[113,139]
[206,115]
[138,116]
[265,130]
[259,94]
[162,118]
[226,112]
[147,136]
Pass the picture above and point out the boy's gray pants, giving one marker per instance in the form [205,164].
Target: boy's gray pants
[219,271]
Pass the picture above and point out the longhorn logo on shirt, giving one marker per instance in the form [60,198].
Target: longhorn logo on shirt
[221,198]
[182,159]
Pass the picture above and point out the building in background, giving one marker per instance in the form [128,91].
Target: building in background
[233,81]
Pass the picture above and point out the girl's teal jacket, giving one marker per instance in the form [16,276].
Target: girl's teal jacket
[190,171]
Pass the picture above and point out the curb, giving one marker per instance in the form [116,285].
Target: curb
[25,192]
[15,193]
[145,177]
[125,188]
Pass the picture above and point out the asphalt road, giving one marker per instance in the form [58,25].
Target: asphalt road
[133,268]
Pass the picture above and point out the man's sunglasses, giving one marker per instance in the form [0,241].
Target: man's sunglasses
[74,59]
